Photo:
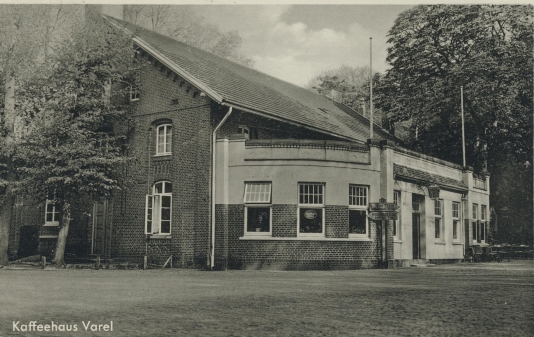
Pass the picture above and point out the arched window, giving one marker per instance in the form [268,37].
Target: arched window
[163,139]
[159,209]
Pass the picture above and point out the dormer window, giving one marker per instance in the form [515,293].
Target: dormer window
[163,139]
[243,129]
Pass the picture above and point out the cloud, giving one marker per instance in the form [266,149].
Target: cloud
[292,51]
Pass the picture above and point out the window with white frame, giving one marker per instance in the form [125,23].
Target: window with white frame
[456,221]
[258,208]
[438,212]
[134,88]
[52,212]
[396,223]
[475,224]
[311,209]
[164,139]
[159,209]
[483,223]
[358,203]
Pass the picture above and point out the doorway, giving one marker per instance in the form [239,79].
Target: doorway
[102,214]
[418,202]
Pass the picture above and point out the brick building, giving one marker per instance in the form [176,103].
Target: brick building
[237,169]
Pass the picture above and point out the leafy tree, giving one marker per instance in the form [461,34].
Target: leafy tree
[353,86]
[70,149]
[486,49]
[183,24]
[20,28]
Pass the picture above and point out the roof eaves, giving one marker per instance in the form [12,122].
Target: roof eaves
[167,62]
[178,70]
[268,115]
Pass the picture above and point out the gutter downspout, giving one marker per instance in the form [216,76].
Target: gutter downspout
[214,153]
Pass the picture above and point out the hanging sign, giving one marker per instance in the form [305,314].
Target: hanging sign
[382,207]
[388,215]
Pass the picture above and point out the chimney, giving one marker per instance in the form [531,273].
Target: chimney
[336,96]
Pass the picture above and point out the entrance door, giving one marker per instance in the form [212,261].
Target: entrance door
[101,228]
[416,235]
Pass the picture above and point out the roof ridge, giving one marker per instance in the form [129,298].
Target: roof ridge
[249,88]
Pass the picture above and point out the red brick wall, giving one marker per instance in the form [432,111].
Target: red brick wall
[291,254]
[188,169]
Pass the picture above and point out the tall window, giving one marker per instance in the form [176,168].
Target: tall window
[358,202]
[158,209]
[311,209]
[52,212]
[164,139]
[475,225]
[396,223]
[134,88]
[482,223]
[455,221]
[438,211]
[258,208]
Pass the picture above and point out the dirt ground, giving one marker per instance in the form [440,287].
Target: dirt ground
[483,299]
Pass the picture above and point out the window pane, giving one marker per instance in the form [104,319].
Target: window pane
[475,209]
[258,193]
[165,227]
[56,216]
[455,229]
[168,187]
[165,214]
[149,226]
[168,139]
[161,139]
[159,188]
[482,231]
[258,219]
[474,231]
[166,201]
[394,227]
[438,227]
[311,194]
[311,220]
[357,222]
[49,217]
[49,208]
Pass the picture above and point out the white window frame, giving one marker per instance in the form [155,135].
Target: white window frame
[54,212]
[150,204]
[258,203]
[456,219]
[474,214]
[320,206]
[355,204]
[135,93]
[483,229]
[243,129]
[438,218]
[167,146]
[397,223]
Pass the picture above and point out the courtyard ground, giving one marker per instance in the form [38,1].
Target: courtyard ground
[483,299]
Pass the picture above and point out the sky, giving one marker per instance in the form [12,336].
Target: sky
[297,42]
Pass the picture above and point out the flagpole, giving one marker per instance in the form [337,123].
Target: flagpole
[371,88]
[463,125]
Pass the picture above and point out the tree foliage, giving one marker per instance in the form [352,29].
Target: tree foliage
[352,84]
[70,148]
[487,49]
[484,48]
[183,24]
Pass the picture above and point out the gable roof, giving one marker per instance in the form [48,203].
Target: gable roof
[247,89]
